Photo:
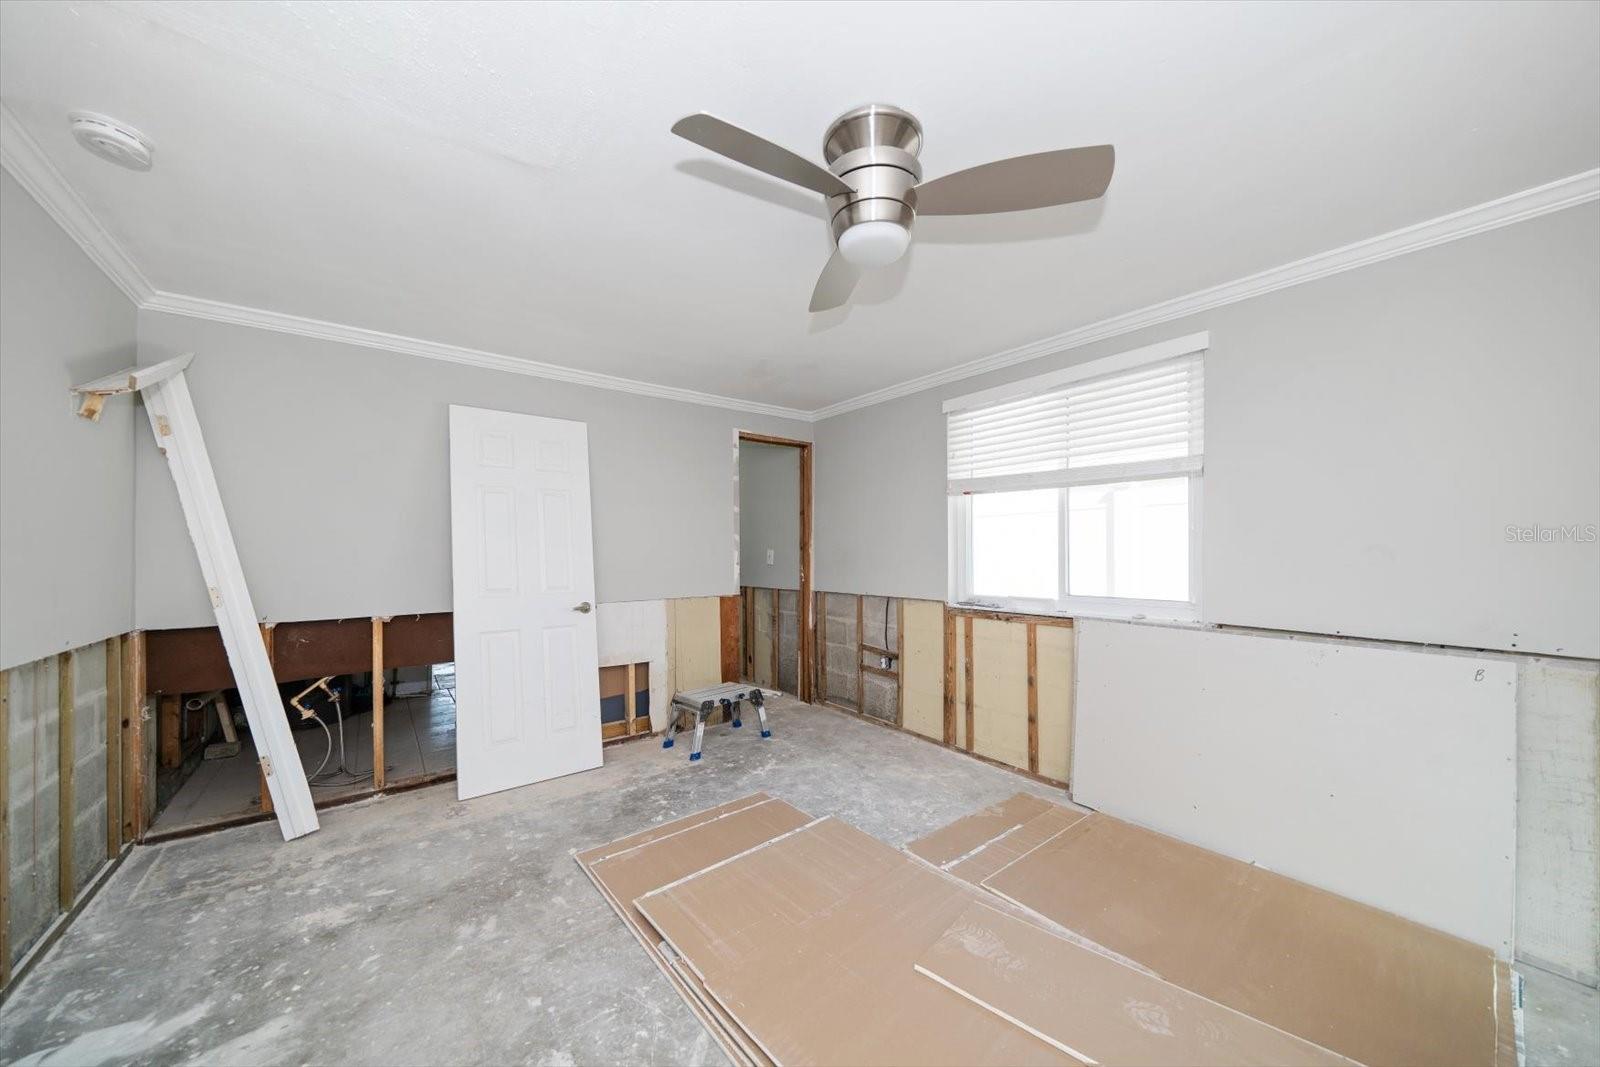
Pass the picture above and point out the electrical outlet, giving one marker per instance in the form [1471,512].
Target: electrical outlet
[771,557]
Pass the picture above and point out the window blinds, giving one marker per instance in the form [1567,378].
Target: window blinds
[1140,423]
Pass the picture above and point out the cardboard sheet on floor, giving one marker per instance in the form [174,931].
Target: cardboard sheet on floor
[809,942]
[624,869]
[950,843]
[1351,978]
[1094,1008]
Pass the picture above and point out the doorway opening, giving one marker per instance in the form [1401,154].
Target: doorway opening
[774,563]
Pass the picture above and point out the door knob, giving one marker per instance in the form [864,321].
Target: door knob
[585,607]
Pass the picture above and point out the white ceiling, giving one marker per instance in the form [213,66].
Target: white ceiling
[501,176]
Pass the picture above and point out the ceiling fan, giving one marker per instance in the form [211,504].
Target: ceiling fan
[874,188]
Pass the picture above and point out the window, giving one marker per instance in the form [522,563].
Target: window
[1078,492]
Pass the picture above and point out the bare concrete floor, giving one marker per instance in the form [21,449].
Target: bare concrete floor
[413,929]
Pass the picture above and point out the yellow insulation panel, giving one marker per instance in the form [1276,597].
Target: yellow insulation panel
[922,668]
[694,642]
[1054,679]
[1000,691]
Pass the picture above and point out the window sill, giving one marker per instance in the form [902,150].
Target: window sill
[1089,608]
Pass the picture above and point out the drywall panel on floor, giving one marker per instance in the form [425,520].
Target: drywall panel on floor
[922,668]
[1000,691]
[1053,672]
[1385,775]
[635,631]
[694,641]
[1558,834]
[66,484]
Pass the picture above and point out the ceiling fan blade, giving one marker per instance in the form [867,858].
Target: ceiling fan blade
[742,146]
[838,280]
[1021,183]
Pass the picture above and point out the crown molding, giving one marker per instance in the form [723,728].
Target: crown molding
[1518,207]
[25,161]
[217,311]
[22,157]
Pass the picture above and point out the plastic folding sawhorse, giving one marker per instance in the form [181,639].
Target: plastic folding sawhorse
[702,702]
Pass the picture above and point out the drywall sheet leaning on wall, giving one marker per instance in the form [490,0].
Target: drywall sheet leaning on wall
[922,669]
[1558,833]
[1385,775]
[1364,983]
[1092,1007]
[622,870]
[808,941]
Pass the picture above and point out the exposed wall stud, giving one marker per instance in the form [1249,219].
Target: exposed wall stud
[861,677]
[967,648]
[949,676]
[900,662]
[66,749]
[776,624]
[113,651]
[378,759]
[5,827]
[134,769]
[1033,699]
[169,710]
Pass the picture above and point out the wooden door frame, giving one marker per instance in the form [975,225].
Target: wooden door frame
[803,603]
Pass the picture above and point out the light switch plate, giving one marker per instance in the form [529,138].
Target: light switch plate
[770,557]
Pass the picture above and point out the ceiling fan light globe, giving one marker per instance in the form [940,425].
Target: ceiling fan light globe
[876,243]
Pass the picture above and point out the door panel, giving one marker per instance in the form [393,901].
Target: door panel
[527,680]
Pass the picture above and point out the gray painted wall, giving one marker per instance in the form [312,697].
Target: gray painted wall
[332,460]
[1369,436]
[769,515]
[66,484]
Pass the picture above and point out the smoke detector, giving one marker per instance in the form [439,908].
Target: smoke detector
[116,142]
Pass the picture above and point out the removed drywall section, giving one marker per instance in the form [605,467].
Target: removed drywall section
[358,436]
[1369,439]
[636,632]
[841,649]
[769,515]
[880,656]
[88,837]
[66,484]
[1386,775]
[33,827]
[788,680]
[1000,691]
[1558,830]
[694,644]
[1053,684]
[922,669]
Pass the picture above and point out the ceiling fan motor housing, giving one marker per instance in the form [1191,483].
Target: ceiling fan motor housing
[873,149]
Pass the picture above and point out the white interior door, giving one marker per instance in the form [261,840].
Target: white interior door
[527,670]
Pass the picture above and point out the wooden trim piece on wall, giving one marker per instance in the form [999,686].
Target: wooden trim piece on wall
[379,760]
[1033,698]
[66,800]
[967,647]
[1010,616]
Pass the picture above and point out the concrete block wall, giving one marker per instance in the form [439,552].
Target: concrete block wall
[880,625]
[89,764]
[840,611]
[33,824]
[788,641]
